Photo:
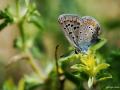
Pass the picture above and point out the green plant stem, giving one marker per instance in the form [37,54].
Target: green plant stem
[22,34]
[35,67]
[17,8]
[60,77]
[28,57]
[24,48]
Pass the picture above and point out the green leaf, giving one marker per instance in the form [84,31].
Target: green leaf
[18,43]
[90,81]
[9,85]
[69,61]
[6,17]
[101,67]
[66,63]
[32,81]
[98,45]
[104,78]
[21,84]
[37,21]
[27,2]
[79,67]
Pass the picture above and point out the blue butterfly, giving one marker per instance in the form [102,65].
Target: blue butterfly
[81,32]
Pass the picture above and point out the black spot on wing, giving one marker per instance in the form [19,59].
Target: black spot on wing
[68,24]
[70,32]
[74,28]
[71,25]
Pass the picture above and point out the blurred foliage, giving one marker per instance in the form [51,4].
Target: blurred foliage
[39,33]
[111,24]
[4,15]
[89,64]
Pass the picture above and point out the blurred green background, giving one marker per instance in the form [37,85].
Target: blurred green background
[45,39]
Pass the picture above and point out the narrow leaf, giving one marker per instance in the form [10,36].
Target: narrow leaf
[101,67]
[90,82]
[104,78]
[21,84]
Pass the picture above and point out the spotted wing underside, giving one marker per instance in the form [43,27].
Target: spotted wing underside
[70,25]
[80,32]
[88,32]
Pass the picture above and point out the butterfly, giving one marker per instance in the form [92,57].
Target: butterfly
[81,32]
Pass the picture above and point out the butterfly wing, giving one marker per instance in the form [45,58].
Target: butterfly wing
[88,32]
[70,25]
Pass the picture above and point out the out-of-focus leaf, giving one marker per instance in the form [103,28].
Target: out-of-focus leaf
[79,67]
[66,63]
[21,84]
[115,52]
[32,82]
[37,21]
[104,78]
[6,17]
[33,79]
[9,85]
[98,45]
[27,2]
[3,25]
[101,67]
[111,24]
[90,82]
[18,43]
